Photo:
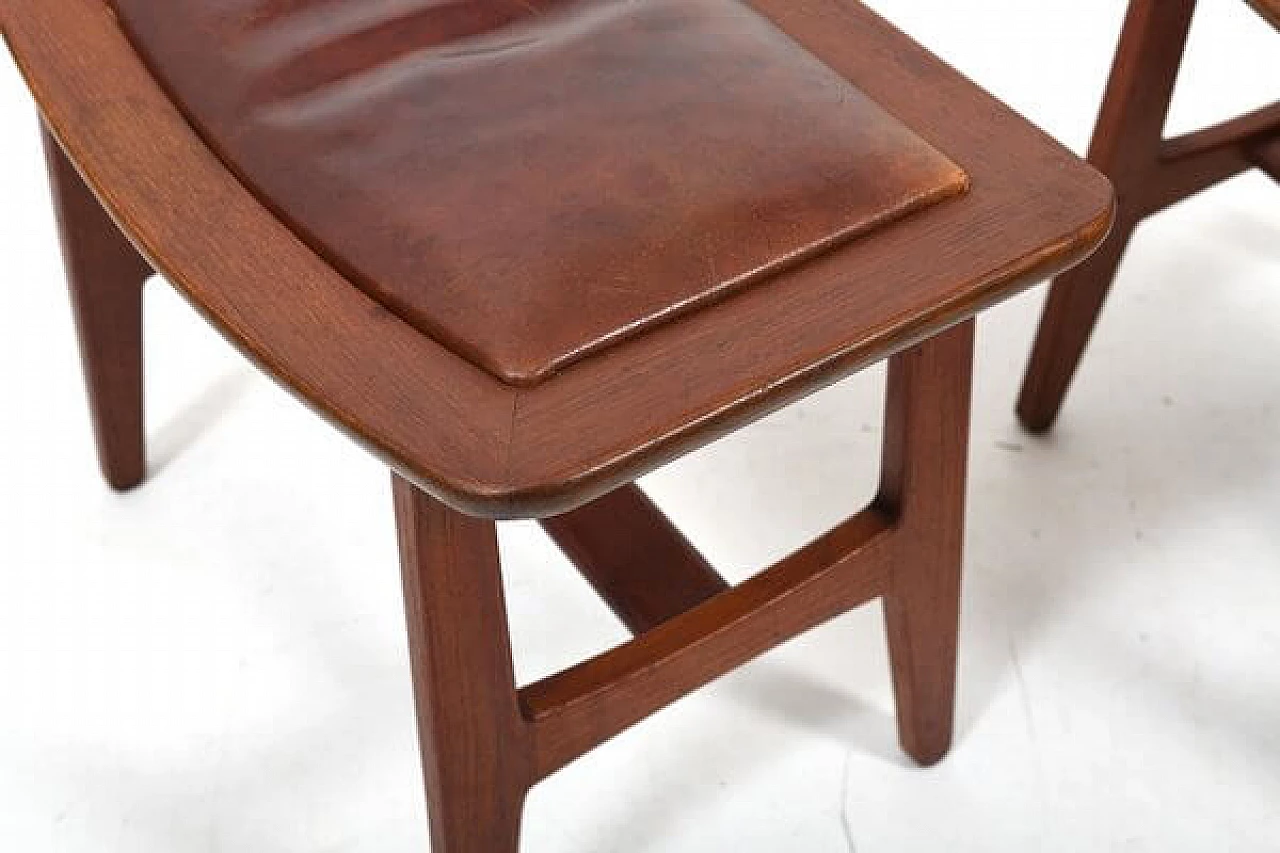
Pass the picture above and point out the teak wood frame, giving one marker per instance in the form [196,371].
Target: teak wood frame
[498,451]
[1150,173]
[485,741]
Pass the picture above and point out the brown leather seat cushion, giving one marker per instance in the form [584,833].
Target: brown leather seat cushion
[530,180]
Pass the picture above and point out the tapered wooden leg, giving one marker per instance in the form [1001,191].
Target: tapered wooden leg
[923,486]
[1070,315]
[1126,147]
[476,749]
[105,274]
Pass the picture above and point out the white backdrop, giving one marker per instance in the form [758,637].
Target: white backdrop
[216,662]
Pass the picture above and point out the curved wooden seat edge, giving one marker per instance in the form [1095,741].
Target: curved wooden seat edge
[481,446]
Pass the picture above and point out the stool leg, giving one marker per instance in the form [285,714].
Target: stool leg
[105,275]
[923,486]
[1126,148]
[1070,315]
[476,749]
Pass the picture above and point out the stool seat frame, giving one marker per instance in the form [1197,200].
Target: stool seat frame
[136,190]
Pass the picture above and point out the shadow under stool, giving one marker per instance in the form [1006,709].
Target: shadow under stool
[1150,173]
[526,252]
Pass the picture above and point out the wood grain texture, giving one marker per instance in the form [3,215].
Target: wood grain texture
[1149,172]
[923,487]
[467,448]
[582,707]
[906,547]
[475,742]
[481,735]
[493,450]
[105,275]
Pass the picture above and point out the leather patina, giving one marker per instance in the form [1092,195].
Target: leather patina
[531,182]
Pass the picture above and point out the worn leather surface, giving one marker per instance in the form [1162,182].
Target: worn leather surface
[530,180]
[1269,9]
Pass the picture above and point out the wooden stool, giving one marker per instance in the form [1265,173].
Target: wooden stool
[1150,173]
[526,252]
